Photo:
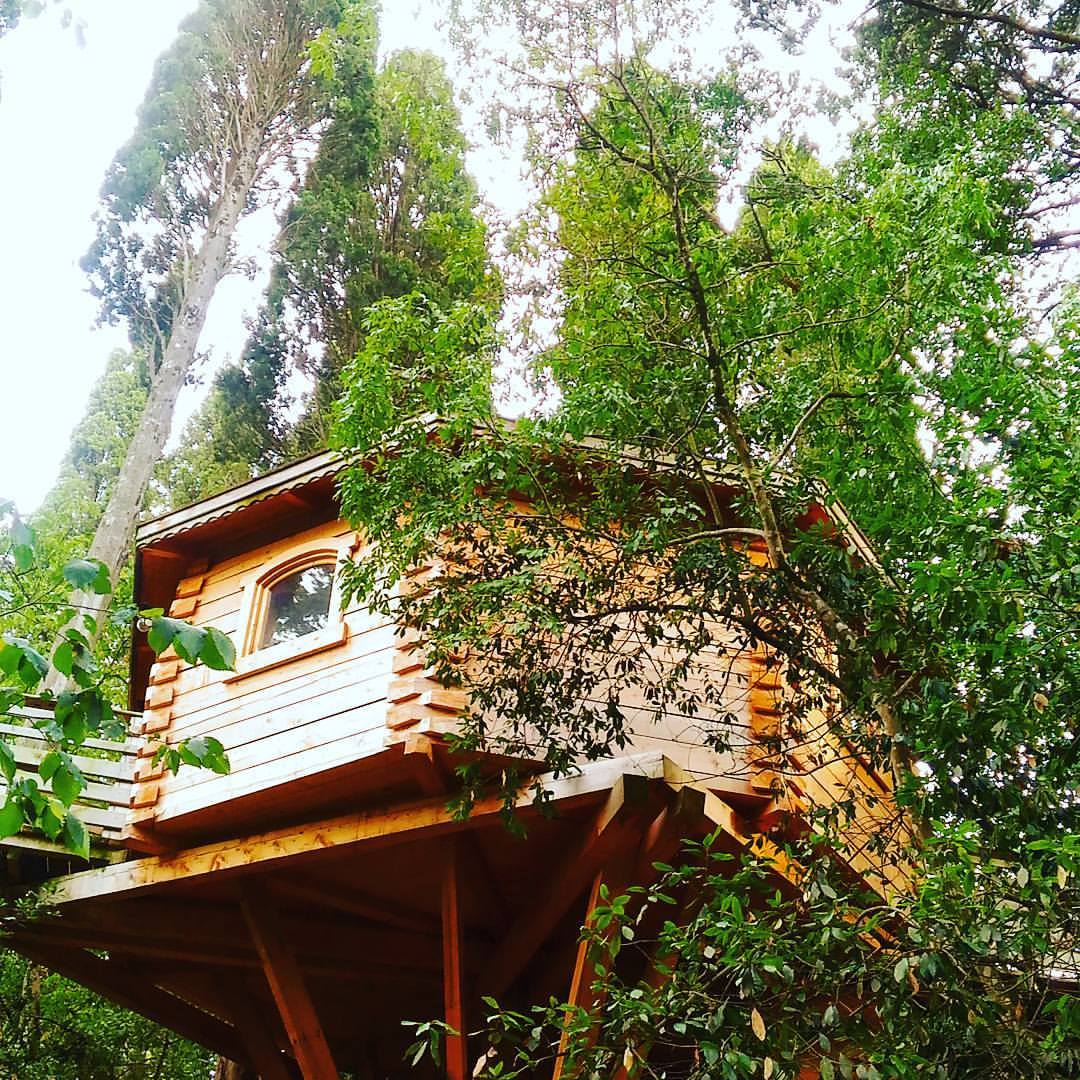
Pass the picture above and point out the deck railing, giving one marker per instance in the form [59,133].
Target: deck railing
[107,765]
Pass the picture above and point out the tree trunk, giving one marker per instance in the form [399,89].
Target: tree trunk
[117,524]
[229,1070]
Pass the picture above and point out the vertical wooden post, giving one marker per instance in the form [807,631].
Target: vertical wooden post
[290,994]
[457,1054]
[580,979]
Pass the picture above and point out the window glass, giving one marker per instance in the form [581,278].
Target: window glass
[297,605]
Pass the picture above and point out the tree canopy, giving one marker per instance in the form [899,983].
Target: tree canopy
[386,209]
[864,333]
[885,347]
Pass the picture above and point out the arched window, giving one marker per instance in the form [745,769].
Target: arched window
[292,608]
[297,604]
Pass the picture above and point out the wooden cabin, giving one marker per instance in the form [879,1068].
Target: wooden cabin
[290,914]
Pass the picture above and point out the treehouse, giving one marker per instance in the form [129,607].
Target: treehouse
[291,913]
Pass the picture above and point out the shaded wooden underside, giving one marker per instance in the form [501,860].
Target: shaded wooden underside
[266,947]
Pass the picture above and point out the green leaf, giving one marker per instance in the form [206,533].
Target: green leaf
[74,725]
[162,631]
[67,784]
[7,761]
[76,836]
[188,642]
[64,658]
[20,658]
[51,818]
[49,764]
[22,544]
[11,818]
[89,575]
[218,651]
[10,658]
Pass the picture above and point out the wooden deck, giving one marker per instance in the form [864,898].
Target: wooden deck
[350,924]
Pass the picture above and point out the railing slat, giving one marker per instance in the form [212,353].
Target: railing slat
[108,777]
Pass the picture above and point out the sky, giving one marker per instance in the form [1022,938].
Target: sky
[65,108]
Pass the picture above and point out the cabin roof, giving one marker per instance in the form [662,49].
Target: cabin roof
[297,474]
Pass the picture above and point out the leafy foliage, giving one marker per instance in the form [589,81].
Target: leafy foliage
[207,123]
[716,965]
[861,335]
[82,711]
[387,209]
[53,1029]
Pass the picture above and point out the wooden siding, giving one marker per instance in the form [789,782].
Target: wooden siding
[279,724]
[291,728]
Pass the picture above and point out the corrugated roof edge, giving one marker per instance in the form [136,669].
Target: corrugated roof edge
[296,474]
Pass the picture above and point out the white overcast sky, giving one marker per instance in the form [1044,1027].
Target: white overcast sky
[64,110]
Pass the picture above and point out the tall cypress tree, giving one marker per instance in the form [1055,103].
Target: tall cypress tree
[387,208]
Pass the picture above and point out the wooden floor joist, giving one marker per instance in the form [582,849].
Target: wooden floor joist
[350,902]
[286,982]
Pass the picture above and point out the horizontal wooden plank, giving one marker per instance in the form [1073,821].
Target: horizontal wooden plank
[27,753]
[264,719]
[28,731]
[104,817]
[110,794]
[104,847]
[368,674]
[221,575]
[365,655]
[278,749]
[270,775]
[363,638]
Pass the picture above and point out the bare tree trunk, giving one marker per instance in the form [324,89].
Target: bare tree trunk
[117,524]
[229,1070]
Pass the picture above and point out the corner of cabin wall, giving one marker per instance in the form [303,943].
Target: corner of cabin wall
[153,729]
[417,701]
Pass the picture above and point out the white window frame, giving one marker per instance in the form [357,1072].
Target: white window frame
[253,609]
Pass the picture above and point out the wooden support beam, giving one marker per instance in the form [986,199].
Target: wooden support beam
[659,844]
[287,985]
[454,992]
[580,978]
[109,979]
[367,829]
[616,827]
[665,835]
[194,952]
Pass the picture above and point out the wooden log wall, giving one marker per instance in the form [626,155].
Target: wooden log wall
[278,724]
[285,726]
